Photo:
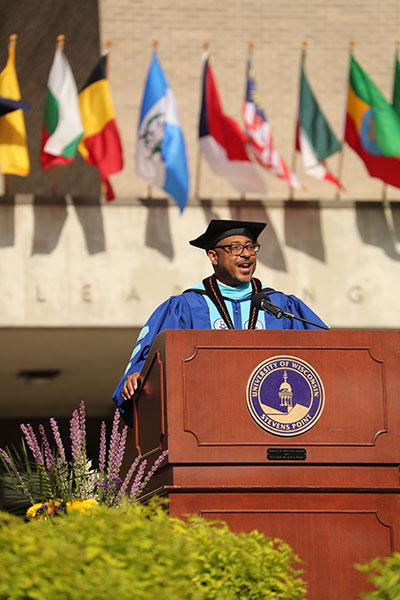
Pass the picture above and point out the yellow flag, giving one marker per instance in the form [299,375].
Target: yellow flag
[14,158]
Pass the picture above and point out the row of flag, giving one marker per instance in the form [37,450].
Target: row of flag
[72,122]
[85,122]
[372,130]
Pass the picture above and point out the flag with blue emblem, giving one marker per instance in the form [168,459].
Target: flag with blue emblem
[372,126]
[161,153]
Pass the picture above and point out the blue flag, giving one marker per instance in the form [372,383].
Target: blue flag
[161,153]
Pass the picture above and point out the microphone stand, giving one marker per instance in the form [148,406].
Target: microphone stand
[275,311]
[290,316]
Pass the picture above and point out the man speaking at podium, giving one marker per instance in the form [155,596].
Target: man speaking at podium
[231,298]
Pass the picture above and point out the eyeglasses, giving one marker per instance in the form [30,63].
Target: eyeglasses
[238,249]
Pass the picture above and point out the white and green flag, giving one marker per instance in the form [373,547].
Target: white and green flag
[315,139]
[62,128]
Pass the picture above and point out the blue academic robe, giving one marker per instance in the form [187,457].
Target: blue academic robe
[193,310]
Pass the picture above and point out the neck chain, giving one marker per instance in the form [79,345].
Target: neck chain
[213,291]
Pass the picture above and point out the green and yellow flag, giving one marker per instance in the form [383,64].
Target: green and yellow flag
[372,127]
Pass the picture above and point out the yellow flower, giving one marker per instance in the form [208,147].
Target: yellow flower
[33,513]
[82,505]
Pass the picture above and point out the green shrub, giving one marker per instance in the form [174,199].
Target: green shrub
[385,575]
[139,552]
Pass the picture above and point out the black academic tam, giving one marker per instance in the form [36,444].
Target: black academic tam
[218,229]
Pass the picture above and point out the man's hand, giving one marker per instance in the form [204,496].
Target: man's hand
[130,385]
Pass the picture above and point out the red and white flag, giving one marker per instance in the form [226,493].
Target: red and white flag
[259,134]
[223,143]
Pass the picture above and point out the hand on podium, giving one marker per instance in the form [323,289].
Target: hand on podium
[130,386]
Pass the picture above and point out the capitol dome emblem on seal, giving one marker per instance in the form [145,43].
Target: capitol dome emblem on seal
[285,395]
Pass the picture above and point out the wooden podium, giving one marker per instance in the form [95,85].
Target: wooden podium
[331,492]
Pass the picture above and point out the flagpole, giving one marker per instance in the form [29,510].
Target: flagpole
[103,187]
[149,187]
[107,55]
[352,45]
[304,46]
[198,160]
[198,174]
[250,51]
[12,42]
[60,44]
[339,170]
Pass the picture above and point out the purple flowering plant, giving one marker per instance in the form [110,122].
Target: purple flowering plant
[41,473]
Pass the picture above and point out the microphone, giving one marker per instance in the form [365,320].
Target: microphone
[262,301]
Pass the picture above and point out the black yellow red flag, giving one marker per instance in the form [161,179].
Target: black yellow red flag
[100,144]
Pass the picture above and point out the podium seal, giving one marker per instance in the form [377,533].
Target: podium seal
[285,396]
